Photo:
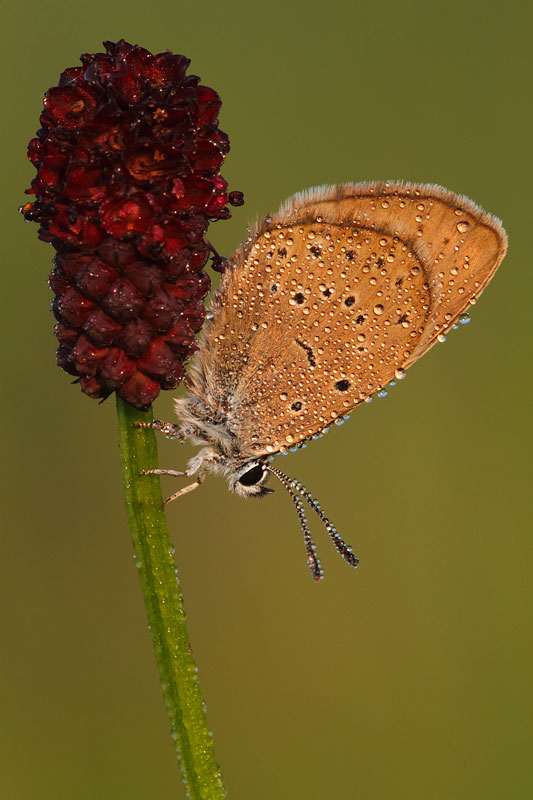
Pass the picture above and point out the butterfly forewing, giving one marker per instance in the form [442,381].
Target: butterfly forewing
[460,245]
[332,296]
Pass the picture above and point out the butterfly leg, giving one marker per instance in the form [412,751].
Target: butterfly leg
[172,472]
[170,430]
[186,489]
[175,474]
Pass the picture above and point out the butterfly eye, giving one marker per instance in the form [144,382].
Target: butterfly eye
[252,476]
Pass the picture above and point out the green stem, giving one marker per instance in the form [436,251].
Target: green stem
[154,559]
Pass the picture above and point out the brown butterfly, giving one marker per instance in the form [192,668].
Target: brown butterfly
[326,302]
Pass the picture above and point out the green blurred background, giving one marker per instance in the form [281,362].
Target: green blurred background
[408,679]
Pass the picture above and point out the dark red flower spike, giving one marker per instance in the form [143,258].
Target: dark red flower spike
[128,160]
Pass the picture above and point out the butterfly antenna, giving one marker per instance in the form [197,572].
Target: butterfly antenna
[342,548]
[310,547]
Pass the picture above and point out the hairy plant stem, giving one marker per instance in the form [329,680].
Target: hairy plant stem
[165,610]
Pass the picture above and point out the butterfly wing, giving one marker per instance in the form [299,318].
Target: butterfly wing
[330,298]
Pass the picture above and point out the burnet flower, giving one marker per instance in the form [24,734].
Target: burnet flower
[128,178]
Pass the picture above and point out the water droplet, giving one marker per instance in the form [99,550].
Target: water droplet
[378,309]
[464,319]
[441,337]
[400,374]
[463,226]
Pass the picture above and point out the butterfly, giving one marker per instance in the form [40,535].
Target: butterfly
[324,304]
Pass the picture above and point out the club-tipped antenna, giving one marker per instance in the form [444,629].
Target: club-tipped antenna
[310,547]
[296,490]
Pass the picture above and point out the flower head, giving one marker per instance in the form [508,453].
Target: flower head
[128,177]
